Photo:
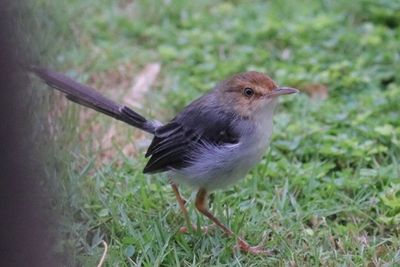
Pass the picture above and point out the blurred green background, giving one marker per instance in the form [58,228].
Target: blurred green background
[327,193]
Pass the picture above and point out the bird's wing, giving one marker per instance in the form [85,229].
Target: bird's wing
[174,143]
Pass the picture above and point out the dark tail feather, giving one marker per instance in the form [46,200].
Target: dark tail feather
[87,96]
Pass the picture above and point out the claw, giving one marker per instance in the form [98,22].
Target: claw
[255,250]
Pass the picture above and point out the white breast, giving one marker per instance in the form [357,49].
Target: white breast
[218,167]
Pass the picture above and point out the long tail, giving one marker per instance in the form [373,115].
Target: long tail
[89,97]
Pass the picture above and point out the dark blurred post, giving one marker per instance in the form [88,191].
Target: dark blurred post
[26,221]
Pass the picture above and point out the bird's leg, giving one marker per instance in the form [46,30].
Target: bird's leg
[201,205]
[182,203]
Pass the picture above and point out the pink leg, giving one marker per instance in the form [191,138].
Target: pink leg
[201,205]
[181,203]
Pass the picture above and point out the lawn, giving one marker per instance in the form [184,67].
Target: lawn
[327,192]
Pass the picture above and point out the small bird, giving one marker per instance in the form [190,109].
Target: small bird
[212,143]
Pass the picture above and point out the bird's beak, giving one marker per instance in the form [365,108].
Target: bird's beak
[283,91]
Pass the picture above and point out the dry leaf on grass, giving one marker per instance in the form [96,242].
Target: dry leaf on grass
[114,137]
[107,136]
[316,91]
[142,83]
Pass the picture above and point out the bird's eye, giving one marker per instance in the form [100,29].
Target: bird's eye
[248,92]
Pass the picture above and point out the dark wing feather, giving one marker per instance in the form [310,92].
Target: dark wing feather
[174,142]
[171,151]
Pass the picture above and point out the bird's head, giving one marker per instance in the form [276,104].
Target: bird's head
[251,93]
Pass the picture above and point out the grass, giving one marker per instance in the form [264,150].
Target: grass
[327,193]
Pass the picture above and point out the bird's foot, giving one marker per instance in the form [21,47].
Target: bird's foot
[203,229]
[242,245]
